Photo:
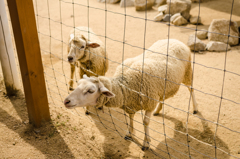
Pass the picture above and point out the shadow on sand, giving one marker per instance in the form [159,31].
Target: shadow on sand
[114,130]
[178,146]
[46,139]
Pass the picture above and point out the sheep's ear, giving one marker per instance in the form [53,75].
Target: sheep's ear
[92,44]
[106,92]
[94,79]
[85,76]
[71,37]
[74,38]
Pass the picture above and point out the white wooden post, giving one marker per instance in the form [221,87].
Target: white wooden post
[9,68]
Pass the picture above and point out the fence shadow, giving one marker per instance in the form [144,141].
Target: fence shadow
[177,145]
[52,146]
[114,145]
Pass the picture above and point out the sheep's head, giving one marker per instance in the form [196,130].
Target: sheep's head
[77,47]
[87,93]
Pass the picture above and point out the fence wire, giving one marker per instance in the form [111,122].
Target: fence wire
[58,88]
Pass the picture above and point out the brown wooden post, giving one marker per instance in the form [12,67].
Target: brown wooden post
[29,55]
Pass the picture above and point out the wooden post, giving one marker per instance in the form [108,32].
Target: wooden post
[29,55]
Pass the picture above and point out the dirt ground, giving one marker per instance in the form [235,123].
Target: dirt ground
[72,134]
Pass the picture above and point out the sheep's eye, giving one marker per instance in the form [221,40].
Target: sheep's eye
[82,47]
[90,91]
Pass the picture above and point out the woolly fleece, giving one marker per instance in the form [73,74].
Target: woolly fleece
[152,84]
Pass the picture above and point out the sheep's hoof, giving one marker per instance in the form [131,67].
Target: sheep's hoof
[100,108]
[128,138]
[195,112]
[145,148]
[87,112]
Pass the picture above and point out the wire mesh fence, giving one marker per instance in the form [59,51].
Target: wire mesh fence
[127,33]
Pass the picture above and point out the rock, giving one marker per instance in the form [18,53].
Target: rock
[167,17]
[179,6]
[180,21]
[222,26]
[162,8]
[140,5]
[128,3]
[195,44]
[37,131]
[202,34]
[160,2]
[175,16]
[217,46]
[109,1]
[158,17]
[195,20]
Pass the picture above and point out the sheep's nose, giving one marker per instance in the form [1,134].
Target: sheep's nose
[67,101]
[70,58]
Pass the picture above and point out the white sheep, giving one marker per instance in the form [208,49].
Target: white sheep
[99,91]
[87,51]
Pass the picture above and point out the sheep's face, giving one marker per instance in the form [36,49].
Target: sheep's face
[77,47]
[76,51]
[87,93]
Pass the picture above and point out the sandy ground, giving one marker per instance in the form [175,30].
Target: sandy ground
[72,134]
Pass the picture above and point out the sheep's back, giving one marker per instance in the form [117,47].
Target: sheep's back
[151,83]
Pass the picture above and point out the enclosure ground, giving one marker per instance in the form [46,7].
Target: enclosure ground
[72,134]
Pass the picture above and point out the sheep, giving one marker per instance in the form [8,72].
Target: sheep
[127,83]
[86,50]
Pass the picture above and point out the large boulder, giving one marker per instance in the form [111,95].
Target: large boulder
[160,2]
[217,46]
[127,3]
[219,27]
[140,5]
[202,34]
[179,6]
[109,1]
[195,44]
[180,21]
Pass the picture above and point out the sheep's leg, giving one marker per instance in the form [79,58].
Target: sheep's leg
[71,77]
[195,106]
[188,81]
[146,122]
[157,109]
[130,128]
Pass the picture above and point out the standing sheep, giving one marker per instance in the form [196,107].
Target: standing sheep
[99,91]
[87,51]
